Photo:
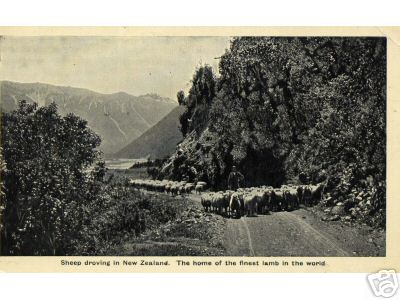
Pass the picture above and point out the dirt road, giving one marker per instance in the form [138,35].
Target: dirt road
[298,233]
[302,232]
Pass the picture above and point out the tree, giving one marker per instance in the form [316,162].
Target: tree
[283,106]
[2,195]
[198,102]
[50,180]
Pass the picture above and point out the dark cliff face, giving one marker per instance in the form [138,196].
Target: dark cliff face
[284,108]
[118,118]
[159,141]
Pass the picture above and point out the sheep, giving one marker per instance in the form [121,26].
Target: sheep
[235,204]
[250,204]
[181,189]
[300,191]
[206,200]
[174,189]
[217,202]
[277,200]
[291,199]
[168,188]
[264,200]
[226,200]
[307,196]
[199,188]
[252,200]
[188,187]
[317,192]
[312,194]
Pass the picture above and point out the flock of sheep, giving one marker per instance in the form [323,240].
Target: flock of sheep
[261,200]
[169,186]
[244,201]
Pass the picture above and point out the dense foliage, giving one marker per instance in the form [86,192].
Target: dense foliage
[56,198]
[2,195]
[287,107]
[198,101]
[48,181]
[121,213]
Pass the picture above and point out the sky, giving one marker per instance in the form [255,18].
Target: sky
[136,65]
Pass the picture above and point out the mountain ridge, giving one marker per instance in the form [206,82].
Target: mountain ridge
[118,118]
[157,142]
[139,97]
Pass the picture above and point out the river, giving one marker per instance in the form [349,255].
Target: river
[123,163]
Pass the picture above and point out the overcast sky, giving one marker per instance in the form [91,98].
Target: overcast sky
[136,65]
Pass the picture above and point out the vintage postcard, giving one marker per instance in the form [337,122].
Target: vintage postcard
[209,149]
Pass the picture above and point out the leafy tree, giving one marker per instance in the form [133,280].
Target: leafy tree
[285,106]
[50,181]
[2,195]
[199,100]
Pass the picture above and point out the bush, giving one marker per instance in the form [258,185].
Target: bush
[285,106]
[52,175]
[123,213]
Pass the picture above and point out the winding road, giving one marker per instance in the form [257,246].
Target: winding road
[301,232]
[278,234]
[296,233]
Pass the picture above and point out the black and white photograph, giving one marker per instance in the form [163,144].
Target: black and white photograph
[216,146]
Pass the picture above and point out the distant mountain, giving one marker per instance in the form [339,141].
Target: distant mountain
[157,142]
[118,118]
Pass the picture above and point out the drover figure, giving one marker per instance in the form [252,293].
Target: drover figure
[235,179]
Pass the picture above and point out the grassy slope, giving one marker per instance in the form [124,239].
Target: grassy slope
[189,231]
[192,233]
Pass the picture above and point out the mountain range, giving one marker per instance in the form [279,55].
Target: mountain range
[118,118]
[159,141]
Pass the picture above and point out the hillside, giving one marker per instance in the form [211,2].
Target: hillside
[118,118]
[157,142]
[289,111]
